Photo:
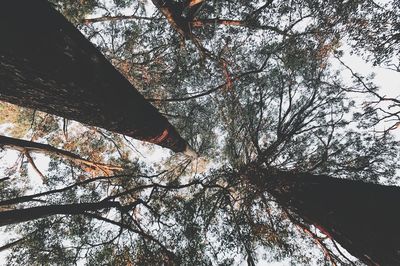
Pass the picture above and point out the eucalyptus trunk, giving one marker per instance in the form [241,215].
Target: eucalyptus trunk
[362,217]
[48,65]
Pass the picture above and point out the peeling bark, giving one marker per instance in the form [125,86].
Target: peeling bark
[362,217]
[47,64]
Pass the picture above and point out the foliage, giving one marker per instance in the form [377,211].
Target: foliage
[253,85]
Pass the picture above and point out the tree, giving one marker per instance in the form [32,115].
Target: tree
[254,92]
[357,215]
[62,73]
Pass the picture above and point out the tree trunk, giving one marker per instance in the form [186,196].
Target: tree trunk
[362,217]
[47,64]
[29,214]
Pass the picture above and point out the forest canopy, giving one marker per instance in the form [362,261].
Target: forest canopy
[296,150]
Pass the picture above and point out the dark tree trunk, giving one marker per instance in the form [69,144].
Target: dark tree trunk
[47,64]
[364,218]
[30,214]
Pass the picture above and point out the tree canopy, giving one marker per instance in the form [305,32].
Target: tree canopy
[286,142]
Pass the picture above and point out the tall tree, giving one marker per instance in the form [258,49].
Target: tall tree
[359,216]
[63,74]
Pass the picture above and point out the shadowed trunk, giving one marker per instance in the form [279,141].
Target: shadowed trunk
[362,217]
[47,64]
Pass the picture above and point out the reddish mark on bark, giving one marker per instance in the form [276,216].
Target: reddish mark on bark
[323,230]
[161,137]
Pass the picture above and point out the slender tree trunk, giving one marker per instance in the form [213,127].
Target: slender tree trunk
[30,146]
[29,214]
[47,64]
[362,217]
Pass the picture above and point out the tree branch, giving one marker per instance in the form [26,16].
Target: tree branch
[33,196]
[32,162]
[29,214]
[12,244]
[26,146]
[87,21]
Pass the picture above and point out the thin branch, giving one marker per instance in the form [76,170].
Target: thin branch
[12,244]
[232,79]
[33,196]
[88,21]
[188,97]
[198,23]
[154,185]
[169,253]
[30,146]
[366,87]
[32,163]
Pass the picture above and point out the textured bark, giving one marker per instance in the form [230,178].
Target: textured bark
[29,214]
[47,64]
[362,217]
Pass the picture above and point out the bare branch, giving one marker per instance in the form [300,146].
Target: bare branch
[30,146]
